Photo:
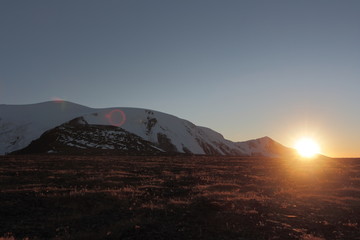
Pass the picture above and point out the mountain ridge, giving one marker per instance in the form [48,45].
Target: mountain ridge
[22,125]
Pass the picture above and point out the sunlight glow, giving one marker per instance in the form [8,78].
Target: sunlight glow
[307,147]
[58,100]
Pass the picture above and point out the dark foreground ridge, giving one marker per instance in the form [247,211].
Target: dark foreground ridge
[188,197]
[77,137]
[83,139]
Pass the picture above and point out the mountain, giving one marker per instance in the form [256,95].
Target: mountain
[68,128]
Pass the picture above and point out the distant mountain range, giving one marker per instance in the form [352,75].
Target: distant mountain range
[61,127]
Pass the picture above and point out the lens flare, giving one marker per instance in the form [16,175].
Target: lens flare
[116,117]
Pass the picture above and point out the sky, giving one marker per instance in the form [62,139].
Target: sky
[246,69]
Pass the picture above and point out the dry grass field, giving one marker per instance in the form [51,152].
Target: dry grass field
[178,197]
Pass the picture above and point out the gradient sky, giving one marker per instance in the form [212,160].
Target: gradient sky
[243,68]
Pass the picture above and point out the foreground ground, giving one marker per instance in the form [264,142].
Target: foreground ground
[72,197]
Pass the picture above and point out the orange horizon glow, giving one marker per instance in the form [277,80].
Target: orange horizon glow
[57,100]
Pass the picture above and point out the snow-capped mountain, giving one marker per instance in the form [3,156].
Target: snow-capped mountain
[67,127]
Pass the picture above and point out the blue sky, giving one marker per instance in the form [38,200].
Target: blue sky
[243,68]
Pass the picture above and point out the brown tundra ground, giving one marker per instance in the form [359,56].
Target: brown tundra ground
[178,197]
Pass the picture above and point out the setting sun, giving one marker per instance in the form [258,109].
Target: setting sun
[307,147]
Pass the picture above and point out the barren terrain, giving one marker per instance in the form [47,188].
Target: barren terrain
[178,197]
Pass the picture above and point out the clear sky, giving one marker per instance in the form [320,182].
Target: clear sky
[246,69]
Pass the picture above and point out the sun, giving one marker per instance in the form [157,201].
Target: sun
[307,147]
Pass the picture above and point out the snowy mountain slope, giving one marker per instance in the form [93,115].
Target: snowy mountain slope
[21,124]
[264,147]
[163,129]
